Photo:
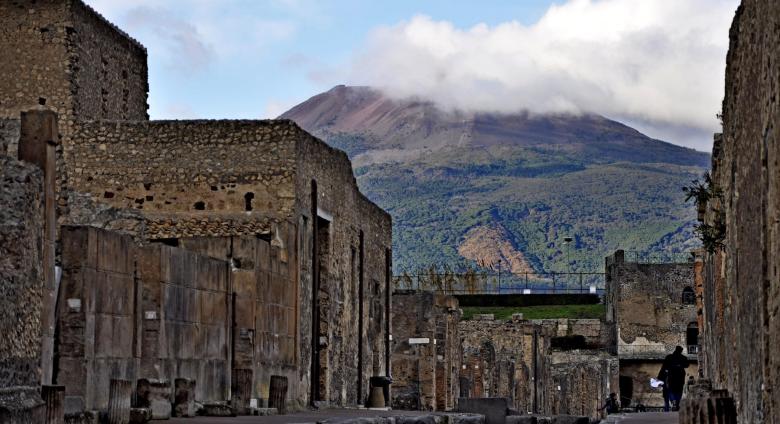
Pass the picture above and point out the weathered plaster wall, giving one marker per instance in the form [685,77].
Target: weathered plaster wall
[742,283]
[21,273]
[425,351]
[645,304]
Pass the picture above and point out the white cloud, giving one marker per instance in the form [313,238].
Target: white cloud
[658,62]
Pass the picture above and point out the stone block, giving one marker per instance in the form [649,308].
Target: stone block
[217,409]
[494,409]
[140,415]
[569,419]
[184,398]
[155,395]
[21,405]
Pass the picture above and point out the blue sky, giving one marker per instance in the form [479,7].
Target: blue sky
[627,59]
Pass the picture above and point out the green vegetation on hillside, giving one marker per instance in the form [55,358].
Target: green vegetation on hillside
[435,200]
[596,311]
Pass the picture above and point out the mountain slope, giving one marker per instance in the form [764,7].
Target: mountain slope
[454,181]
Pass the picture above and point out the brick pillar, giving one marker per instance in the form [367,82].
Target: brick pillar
[37,141]
[119,401]
[54,397]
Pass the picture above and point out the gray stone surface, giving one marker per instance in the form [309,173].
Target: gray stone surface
[493,409]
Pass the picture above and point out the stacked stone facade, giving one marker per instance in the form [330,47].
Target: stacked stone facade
[425,351]
[21,290]
[651,310]
[741,284]
[306,256]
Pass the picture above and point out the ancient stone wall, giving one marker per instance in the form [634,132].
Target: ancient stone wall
[508,359]
[581,382]
[741,283]
[265,306]
[353,257]
[21,273]
[9,137]
[425,351]
[129,311]
[64,55]
[108,68]
[188,178]
[649,308]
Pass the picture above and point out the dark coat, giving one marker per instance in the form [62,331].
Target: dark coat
[673,372]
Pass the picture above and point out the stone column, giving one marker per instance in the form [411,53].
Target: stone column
[54,397]
[241,391]
[119,401]
[37,140]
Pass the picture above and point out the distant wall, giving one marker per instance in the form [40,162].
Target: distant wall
[508,359]
[581,382]
[645,303]
[741,294]
[426,351]
[188,178]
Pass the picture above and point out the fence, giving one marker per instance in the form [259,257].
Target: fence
[489,282]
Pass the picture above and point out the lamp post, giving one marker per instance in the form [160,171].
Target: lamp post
[567,241]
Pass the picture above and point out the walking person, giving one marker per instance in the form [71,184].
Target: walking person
[611,405]
[673,375]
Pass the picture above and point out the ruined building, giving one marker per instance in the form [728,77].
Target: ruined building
[651,309]
[217,251]
[546,367]
[741,279]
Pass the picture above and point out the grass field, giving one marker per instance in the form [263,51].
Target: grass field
[538,312]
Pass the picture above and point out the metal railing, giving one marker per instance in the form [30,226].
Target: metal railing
[492,282]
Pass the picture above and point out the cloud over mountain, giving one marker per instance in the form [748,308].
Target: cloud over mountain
[656,63]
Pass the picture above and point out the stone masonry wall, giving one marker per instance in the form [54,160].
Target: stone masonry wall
[645,304]
[265,306]
[425,351]
[508,359]
[21,275]
[63,56]
[741,285]
[130,312]
[9,137]
[188,178]
[343,214]
[581,382]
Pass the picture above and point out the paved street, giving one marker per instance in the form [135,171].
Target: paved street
[645,418]
[301,417]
